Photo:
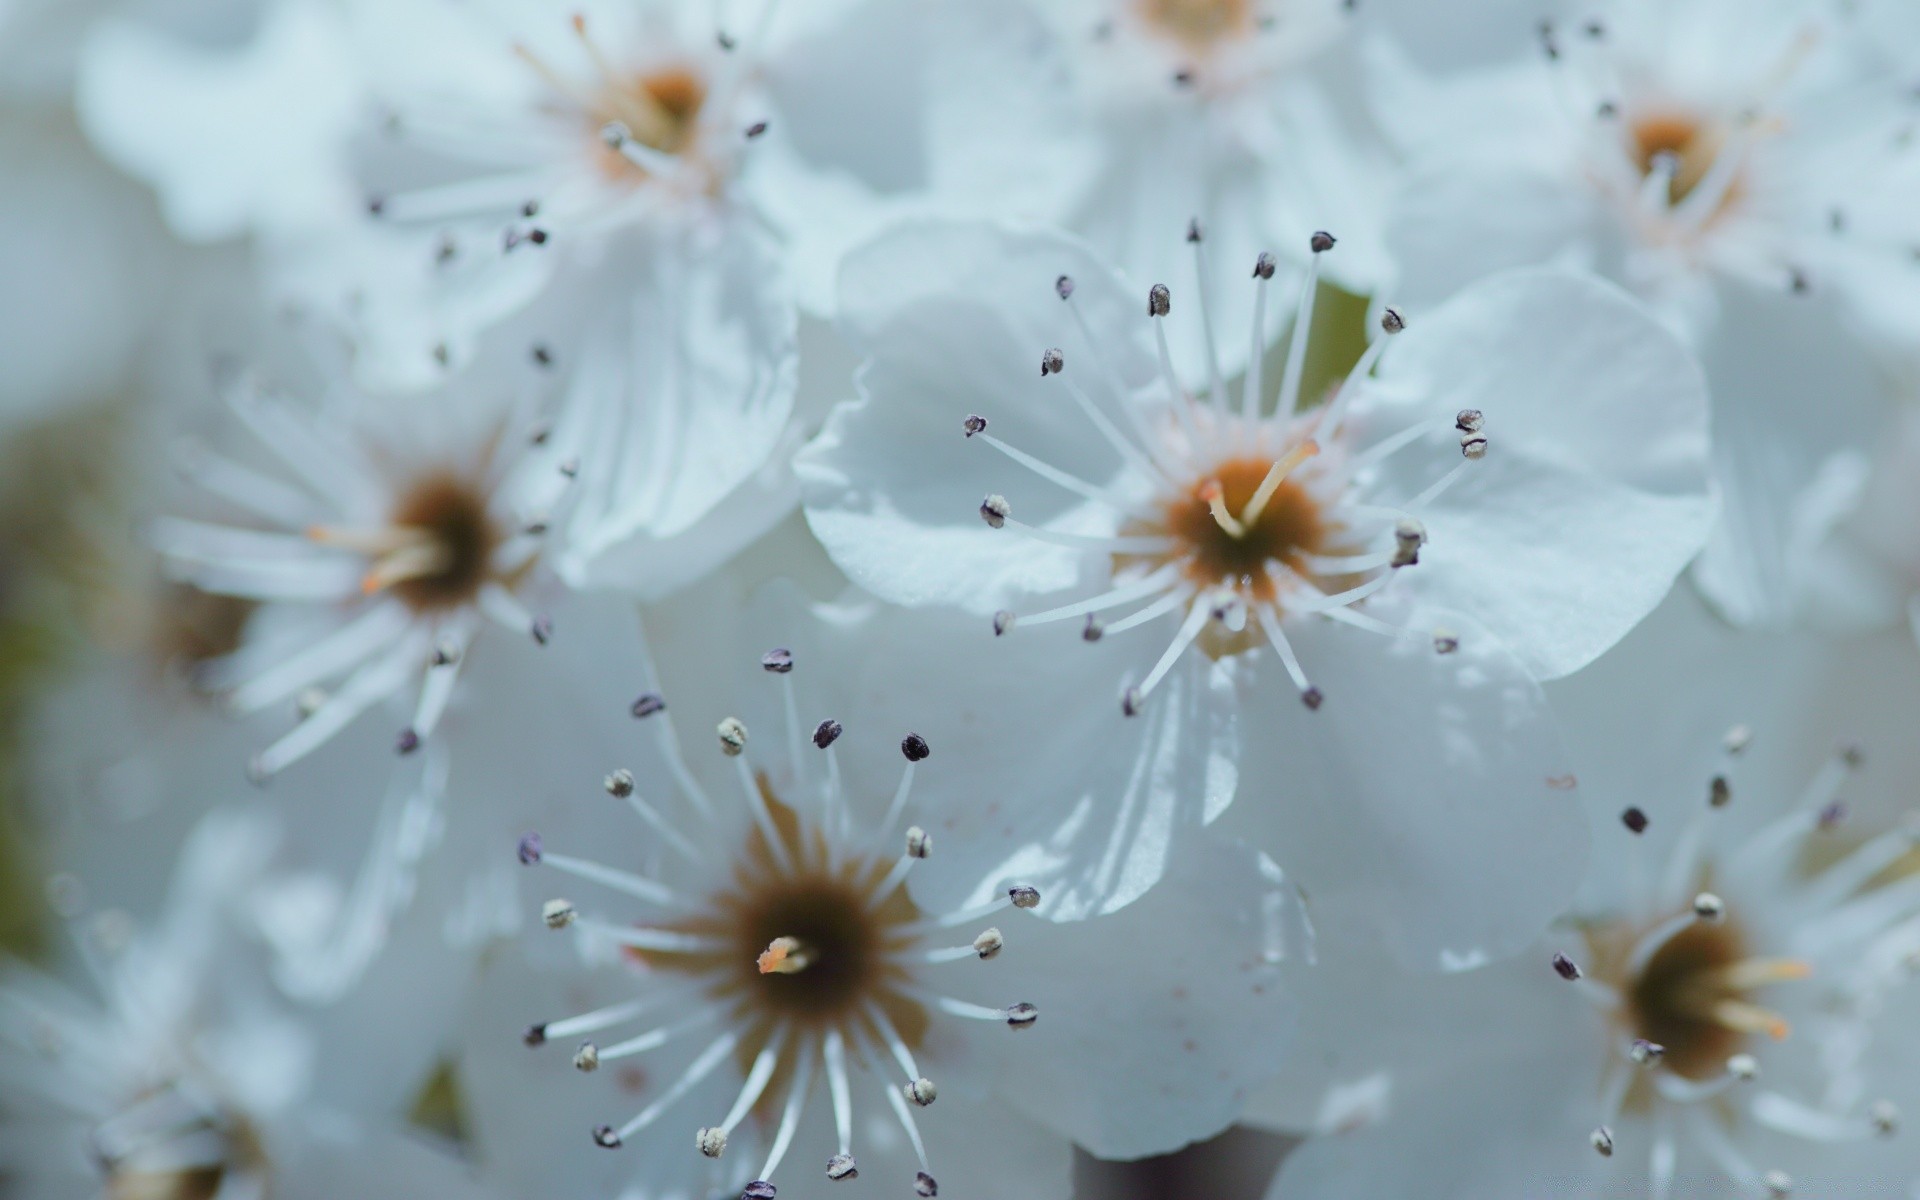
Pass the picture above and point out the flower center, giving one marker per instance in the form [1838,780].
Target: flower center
[1691,146]
[1694,998]
[660,110]
[1199,24]
[1222,537]
[444,540]
[810,942]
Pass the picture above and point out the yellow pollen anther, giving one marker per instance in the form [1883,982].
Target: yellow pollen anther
[1276,475]
[784,956]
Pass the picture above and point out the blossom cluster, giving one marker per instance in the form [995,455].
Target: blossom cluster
[689,599]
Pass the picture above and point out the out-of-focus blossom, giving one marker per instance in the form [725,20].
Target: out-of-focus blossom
[1164,111]
[785,990]
[1707,1024]
[1672,146]
[184,1075]
[1337,555]
[392,534]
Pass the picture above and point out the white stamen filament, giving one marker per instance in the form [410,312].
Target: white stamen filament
[1178,401]
[884,830]
[1197,618]
[1275,476]
[1653,940]
[835,1056]
[898,1102]
[1251,387]
[790,1115]
[1297,344]
[762,818]
[652,1039]
[1216,383]
[1071,483]
[1167,469]
[1108,544]
[893,880]
[1137,458]
[625,882]
[701,1067]
[1270,625]
[895,1044]
[1159,608]
[1440,485]
[757,1079]
[664,941]
[1124,593]
[598,1019]
[1328,426]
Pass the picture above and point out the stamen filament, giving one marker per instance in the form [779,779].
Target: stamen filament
[762,819]
[1759,972]
[898,1102]
[892,880]
[1157,609]
[664,941]
[1167,470]
[1270,625]
[1329,423]
[625,882]
[835,1055]
[790,1115]
[1441,484]
[1116,544]
[1217,505]
[1746,1017]
[1275,476]
[701,1067]
[1125,593]
[758,1076]
[1197,618]
[1297,345]
[1179,402]
[1216,384]
[598,1019]
[895,1044]
[1251,387]
[1388,446]
[1070,482]
[1140,460]
[652,1039]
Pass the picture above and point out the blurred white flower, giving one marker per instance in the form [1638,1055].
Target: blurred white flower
[1672,145]
[1320,553]
[185,1076]
[1227,112]
[782,944]
[1708,1025]
[395,531]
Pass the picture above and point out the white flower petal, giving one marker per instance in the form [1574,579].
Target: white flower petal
[1595,491]
[1428,796]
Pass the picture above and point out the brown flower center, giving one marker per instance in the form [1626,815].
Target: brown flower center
[1694,145]
[1199,24]
[444,549]
[1695,997]
[847,940]
[1222,538]
[661,109]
